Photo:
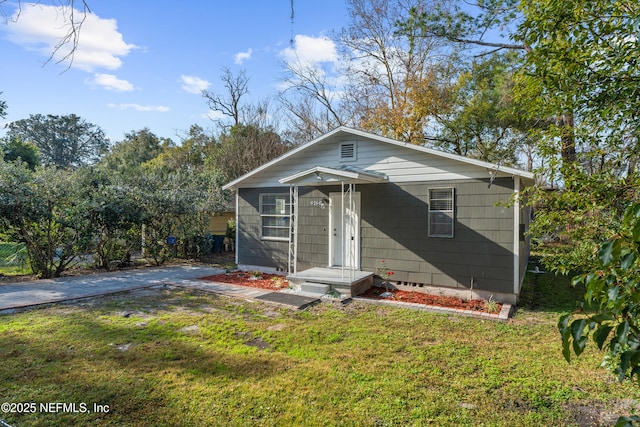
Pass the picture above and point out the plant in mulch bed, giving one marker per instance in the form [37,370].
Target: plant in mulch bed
[278,282]
[384,272]
[260,280]
[490,306]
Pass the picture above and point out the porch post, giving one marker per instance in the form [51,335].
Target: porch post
[342,245]
[348,241]
[352,229]
[292,267]
[235,244]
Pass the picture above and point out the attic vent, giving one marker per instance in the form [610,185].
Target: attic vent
[347,151]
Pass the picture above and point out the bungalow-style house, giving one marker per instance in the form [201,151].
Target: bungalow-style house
[335,211]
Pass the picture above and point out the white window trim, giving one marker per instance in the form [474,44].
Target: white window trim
[452,212]
[280,239]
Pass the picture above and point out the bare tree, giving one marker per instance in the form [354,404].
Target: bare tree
[315,105]
[229,103]
[389,70]
[73,21]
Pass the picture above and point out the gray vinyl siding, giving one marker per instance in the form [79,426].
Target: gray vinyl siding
[400,164]
[394,227]
[313,235]
[313,224]
[252,249]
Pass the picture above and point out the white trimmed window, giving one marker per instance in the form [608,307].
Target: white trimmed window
[441,212]
[275,213]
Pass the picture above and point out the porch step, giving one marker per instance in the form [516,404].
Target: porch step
[315,288]
[321,281]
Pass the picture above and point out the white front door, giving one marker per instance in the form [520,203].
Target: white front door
[344,230]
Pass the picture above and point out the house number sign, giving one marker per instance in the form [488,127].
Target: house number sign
[318,203]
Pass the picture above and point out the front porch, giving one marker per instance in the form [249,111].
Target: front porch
[343,220]
[321,281]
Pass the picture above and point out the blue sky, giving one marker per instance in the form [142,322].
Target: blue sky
[143,63]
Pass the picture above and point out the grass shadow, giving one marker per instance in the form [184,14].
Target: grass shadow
[136,361]
[549,292]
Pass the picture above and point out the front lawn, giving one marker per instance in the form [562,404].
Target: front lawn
[179,358]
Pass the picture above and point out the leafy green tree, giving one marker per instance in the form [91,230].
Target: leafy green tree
[613,289]
[190,154]
[158,190]
[3,108]
[64,141]
[42,210]
[244,148]
[583,64]
[16,150]
[591,154]
[138,147]
[486,121]
[114,216]
[174,204]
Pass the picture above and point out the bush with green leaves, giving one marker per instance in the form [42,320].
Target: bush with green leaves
[613,291]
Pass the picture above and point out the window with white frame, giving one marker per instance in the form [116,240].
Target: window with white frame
[275,213]
[441,212]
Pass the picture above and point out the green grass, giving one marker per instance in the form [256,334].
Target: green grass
[14,260]
[15,270]
[179,358]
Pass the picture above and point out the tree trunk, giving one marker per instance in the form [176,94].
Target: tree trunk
[567,138]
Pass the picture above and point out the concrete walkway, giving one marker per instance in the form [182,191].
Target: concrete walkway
[27,294]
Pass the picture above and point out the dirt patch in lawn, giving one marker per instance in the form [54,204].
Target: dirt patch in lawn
[273,282]
[477,305]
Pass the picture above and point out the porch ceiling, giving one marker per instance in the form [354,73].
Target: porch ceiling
[321,175]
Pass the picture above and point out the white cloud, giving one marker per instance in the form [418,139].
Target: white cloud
[240,57]
[317,59]
[138,107]
[193,84]
[311,50]
[111,82]
[213,115]
[41,27]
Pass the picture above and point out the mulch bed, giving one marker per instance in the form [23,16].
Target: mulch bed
[277,282]
[273,282]
[426,299]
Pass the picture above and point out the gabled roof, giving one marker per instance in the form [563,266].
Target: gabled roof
[350,131]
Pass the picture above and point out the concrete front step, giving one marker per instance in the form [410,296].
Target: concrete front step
[315,288]
[322,280]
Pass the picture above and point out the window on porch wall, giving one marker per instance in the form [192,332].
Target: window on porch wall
[275,214]
[441,212]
